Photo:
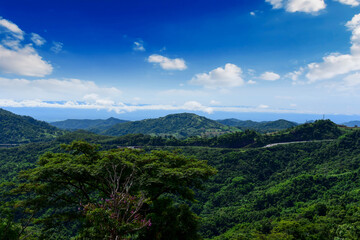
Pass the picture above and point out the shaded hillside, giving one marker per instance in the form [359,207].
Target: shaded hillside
[93,125]
[22,129]
[178,125]
[262,127]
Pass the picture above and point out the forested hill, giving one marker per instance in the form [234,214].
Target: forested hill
[178,125]
[93,125]
[262,127]
[22,129]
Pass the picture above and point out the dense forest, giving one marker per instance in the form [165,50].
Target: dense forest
[261,127]
[81,185]
[177,125]
[23,129]
[93,125]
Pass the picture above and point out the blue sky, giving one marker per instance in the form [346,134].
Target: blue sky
[138,59]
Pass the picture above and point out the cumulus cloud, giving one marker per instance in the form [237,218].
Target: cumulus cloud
[352,3]
[167,63]
[23,61]
[57,47]
[307,6]
[227,77]
[37,39]
[269,76]
[139,46]
[18,58]
[336,64]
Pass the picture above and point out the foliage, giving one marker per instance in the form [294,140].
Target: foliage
[85,175]
[23,129]
[177,125]
[262,127]
[93,125]
[114,218]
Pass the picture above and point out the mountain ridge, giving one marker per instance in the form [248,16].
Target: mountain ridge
[178,125]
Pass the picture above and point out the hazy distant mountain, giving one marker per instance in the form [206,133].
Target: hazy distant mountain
[22,129]
[93,125]
[265,126]
[352,123]
[178,125]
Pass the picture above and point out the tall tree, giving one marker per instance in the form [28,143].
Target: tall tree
[97,180]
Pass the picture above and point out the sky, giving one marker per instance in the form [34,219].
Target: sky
[247,59]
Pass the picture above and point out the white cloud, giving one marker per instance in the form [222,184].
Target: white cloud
[263,106]
[252,13]
[352,3]
[55,89]
[251,82]
[18,58]
[214,102]
[139,46]
[335,63]
[195,106]
[37,39]
[352,80]
[227,77]
[57,47]
[307,6]
[12,28]
[269,76]
[99,104]
[23,61]
[295,74]
[167,63]
[276,3]
[350,83]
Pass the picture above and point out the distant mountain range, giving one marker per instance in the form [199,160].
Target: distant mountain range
[263,127]
[178,125]
[352,124]
[23,129]
[93,125]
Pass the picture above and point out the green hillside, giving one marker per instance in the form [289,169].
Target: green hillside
[296,191]
[178,125]
[262,127]
[23,129]
[93,125]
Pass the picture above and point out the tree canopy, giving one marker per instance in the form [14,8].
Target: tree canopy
[85,177]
